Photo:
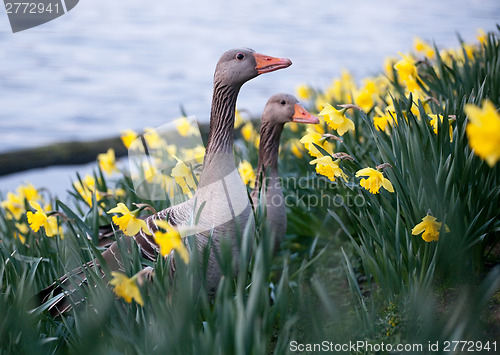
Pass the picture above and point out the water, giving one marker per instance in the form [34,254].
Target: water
[117,64]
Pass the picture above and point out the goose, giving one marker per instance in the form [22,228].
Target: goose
[221,200]
[279,110]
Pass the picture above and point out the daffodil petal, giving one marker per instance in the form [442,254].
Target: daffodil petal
[364,172]
[419,228]
[144,227]
[181,249]
[120,208]
[35,205]
[387,185]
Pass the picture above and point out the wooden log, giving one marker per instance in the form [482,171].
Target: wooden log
[66,153]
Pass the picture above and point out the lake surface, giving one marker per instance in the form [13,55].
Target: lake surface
[111,65]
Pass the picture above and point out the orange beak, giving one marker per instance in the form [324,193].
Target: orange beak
[302,116]
[267,64]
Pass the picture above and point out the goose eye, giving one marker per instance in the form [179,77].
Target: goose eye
[240,56]
[282,102]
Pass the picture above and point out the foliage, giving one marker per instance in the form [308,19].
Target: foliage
[350,268]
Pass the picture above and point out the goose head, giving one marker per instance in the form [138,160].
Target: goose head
[236,66]
[283,108]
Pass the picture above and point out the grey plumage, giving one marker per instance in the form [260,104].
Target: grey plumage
[221,195]
[279,110]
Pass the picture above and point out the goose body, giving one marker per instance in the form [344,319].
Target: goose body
[221,200]
[280,109]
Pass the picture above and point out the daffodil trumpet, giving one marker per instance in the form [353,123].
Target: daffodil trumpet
[126,287]
[129,223]
[336,119]
[374,180]
[430,228]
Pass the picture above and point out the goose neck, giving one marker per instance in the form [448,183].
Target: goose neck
[221,134]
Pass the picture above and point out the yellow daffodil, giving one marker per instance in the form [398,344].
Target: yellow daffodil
[336,119]
[407,72]
[87,190]
[119,192]
[151,174]
[153,139]
[184,177]
[185,127]
[328,167]
[447,56]
[53,228]
[197,153]
[247,174]
[28,192]
[381,120]
[340,90]
[318,128]
[347,80]
[335,92]
[370,85]
[412,84]
[40,219]
[303,92]
[483,131]
[128,222]
[434,124]
[375,180]
[482,36]
[389,67]
[248,131]
[107,161]
[256,141]
[170,186]
[423,47]
[14,204]
[293,126]
[296,148]
[171,149]
[424,99]
[238,119]
[320,101]
[89,182]
[127,137]
[21,231]
[382,83]
[126,287]
[429,227]
[469,50]
[365,97]
[84,192]
[170,240]
[391,110]
[406,67]
[318,139]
